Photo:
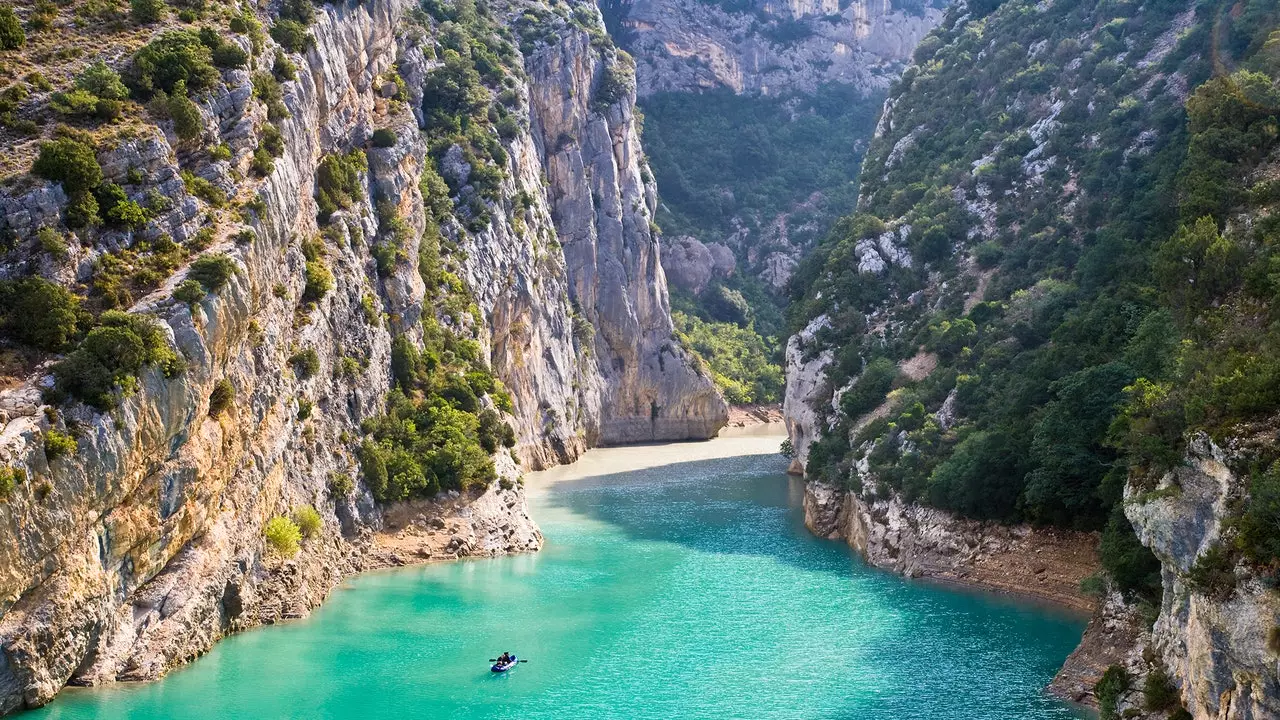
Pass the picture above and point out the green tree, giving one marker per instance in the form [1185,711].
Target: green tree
[36,312]
[146,12]
[177,56]
[12,36]
[70,162]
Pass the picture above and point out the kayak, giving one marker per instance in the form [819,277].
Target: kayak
[503,667]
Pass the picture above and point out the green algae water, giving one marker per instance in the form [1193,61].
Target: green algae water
[681,590]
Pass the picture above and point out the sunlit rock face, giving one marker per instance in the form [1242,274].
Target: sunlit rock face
[141,548]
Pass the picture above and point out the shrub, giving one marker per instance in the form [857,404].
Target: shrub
[177,56]
[305,363]
[292,35]
[1114,682]
[110,358]
[74,102]
[11,35]
[9,479]
[188,122]
[272,140]
[52,242]
[212,271]
[145,12]
[384,138]
[189,292]
[70,162]
[283,536]
[58,444]
[1159,692]
[1258,538]
[338,182]
[319,281]
[308,520]
[82,211]
[284,69]
[203,189]
[1132,566]
[128,214]
[267,89]
[38,313]
[870,389]
[341,485]
[263,164]
[224,393]
[100,80]
[1213,573]
[229,55]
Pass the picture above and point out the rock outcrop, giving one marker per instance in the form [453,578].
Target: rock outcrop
[922,542]
[143,546]
[1218,645]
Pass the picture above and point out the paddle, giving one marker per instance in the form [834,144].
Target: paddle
[496,660]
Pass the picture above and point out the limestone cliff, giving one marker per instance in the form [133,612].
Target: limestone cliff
[143,545]
[1218,642]
[770,47]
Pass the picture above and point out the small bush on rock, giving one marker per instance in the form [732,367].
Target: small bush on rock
[224,393]
[176,56]
[384,138]
[308,521]
[212,271]
[305,363]
[1115,681]
[189,292]
[9,479]
[58,444]
[283,536]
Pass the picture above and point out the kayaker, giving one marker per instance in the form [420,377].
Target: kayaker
[504,658]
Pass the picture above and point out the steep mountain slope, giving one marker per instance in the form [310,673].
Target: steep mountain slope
[1052,308]
[372,256]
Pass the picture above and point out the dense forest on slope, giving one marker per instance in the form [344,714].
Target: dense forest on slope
[1068,207]
[761,175]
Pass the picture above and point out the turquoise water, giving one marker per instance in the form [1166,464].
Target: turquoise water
[684,591]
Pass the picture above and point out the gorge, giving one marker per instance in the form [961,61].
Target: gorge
[290,291]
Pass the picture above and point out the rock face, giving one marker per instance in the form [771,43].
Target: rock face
[140,549]
[603,210]
[692,265]
[1214,645]
[806,384]
[921,542]
[769,47]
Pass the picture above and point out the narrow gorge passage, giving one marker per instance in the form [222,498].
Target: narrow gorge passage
[720,605]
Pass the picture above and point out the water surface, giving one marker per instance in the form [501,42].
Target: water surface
[681,590]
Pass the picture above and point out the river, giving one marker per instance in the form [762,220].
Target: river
[677,581]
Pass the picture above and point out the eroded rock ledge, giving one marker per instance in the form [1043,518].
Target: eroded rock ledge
[921,542]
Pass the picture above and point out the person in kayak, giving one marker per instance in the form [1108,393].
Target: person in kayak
[504,658]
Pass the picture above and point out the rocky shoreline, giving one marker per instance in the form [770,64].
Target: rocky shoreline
[1042,564]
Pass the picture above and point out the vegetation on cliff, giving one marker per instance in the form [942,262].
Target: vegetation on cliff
[1085,254]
